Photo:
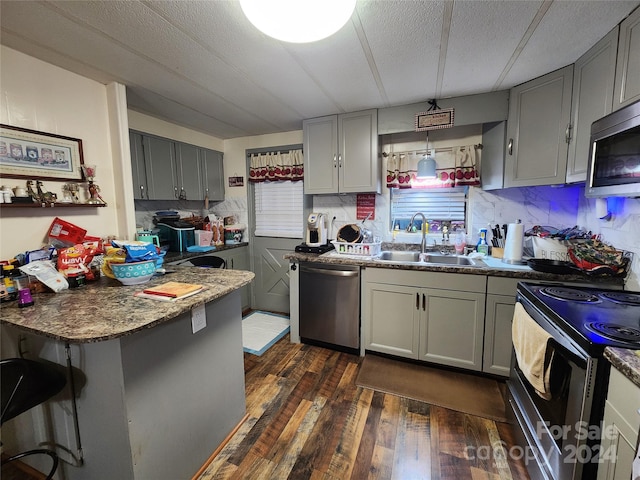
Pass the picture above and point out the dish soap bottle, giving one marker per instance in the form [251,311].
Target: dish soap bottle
[482,246]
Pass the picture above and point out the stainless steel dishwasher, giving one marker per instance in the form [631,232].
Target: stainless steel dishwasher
[330,304]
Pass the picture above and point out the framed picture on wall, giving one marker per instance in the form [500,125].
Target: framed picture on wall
[37,155]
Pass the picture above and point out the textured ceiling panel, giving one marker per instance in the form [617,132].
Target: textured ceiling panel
[568,30]
[161,45]
[202,65]
[339,66]
[484,35]
[404,39]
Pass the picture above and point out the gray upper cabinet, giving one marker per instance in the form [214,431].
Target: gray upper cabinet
[164,169]
[593,78]
[190,185]
[160,166]
[140,190]
[538,129]
[211,166]
[341,153]
[493,151]
[627,84]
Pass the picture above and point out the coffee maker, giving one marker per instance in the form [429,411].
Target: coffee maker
[317,230]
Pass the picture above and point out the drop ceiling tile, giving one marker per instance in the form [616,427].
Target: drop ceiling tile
[483,37]
[405,40]
[567,31]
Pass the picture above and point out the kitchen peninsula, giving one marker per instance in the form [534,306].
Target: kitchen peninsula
[158,385]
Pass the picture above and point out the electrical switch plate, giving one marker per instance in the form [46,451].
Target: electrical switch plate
[198,319]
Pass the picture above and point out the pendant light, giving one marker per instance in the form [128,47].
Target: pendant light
[427,164]
[298,21]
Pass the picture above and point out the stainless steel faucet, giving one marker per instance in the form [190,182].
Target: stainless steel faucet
[423,244]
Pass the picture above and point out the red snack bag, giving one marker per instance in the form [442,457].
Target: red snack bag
[65,234]
[75,259]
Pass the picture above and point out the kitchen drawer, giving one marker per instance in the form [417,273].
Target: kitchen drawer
[419,279]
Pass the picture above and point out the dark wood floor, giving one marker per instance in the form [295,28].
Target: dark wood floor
[308,420]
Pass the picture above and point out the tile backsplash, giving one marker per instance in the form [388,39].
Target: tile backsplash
[146,209]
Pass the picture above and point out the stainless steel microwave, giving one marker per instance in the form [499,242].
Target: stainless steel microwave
[614,154]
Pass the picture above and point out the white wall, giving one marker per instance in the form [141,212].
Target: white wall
[155,126]
[39,96]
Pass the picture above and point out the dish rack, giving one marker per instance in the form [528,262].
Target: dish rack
[362,249]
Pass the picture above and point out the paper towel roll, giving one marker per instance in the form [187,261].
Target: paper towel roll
[513,244]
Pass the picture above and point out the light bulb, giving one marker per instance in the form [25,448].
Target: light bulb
[298,21]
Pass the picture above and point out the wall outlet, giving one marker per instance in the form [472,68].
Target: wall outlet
[198,319]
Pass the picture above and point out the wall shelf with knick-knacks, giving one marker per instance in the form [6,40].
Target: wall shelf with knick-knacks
[51,205]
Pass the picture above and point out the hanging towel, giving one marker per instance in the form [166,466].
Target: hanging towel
[533,352]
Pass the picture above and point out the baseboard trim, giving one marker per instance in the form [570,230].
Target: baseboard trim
[215,453]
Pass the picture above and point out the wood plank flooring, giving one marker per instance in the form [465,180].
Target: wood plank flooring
[308,420]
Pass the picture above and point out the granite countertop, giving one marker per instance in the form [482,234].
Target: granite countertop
[106,309]
[487,266]
[625,360]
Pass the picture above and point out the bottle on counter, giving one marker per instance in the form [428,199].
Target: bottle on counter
[10,272]
[482,246]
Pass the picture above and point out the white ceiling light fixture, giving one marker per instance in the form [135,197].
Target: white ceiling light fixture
[298,21]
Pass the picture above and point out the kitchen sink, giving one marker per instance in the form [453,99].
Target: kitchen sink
[400,256]
[408,257]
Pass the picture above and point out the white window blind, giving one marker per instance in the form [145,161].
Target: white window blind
[435,204]
[278,207]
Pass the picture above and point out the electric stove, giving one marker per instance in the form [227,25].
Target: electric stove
[594,318]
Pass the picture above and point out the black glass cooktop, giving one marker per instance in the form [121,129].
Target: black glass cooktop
[595,318]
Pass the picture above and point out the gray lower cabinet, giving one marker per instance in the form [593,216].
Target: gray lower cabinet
[538,130]
[593,79]
[431,316]
[452,327]
[501,300]
[390,317]
[164,169]
[621,425]
[627,86]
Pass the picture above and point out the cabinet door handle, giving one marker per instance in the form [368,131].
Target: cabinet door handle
[417,301]
[567,133]
[335,161]
[340,160]
[183,194]
[175,192]
[424,302]
[141,191]
[510,146]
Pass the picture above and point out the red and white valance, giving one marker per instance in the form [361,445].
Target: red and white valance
[461,167]
[276,166]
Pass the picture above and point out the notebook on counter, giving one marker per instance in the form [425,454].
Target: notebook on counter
[171,291]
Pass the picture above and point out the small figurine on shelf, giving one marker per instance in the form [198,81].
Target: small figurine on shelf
[44,196]
[31,192]
[94,191]
[70,192]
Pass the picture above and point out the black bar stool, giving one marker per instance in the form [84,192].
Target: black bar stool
[208,261]
[25,384]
